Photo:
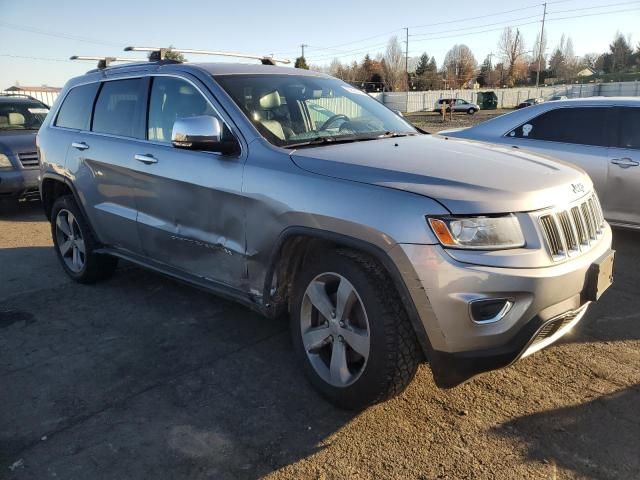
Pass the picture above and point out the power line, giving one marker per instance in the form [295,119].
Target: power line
[40,31]
[48,59]
[596,7]
[476,18]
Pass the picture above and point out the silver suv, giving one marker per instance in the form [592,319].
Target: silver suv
[293,192]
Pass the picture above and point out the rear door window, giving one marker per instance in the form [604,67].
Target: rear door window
[582,126]
[119,108]
[75,111]
[629,129]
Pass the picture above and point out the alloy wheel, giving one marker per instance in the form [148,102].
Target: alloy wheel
[70,241]
[335,329]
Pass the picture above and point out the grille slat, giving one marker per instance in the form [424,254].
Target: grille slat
[29,159]
[570,231]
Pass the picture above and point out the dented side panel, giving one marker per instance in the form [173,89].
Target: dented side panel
[280,195]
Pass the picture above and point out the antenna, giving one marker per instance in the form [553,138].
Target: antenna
[104,62]
[158,54]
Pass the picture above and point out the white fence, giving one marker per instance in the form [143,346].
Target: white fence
[507,97]
[47,97]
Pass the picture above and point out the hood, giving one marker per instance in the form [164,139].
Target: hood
[466,177]
[18,141]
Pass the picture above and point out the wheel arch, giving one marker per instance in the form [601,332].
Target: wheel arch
[289,253]
[53,186]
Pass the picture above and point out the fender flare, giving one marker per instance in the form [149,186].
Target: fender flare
[62,179]
[357,244]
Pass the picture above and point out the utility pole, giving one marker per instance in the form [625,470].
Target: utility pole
[302,47]
[544,16]
[406,58]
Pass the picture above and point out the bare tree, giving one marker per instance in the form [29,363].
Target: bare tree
[511,48]
[393,72]
[539,57]
[459,65]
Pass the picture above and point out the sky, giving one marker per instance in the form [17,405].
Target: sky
[38,36]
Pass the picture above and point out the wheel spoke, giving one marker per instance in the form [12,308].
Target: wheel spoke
[80,245]
[345,298]
[63,225]
[65,247]
[319,298]
[314,337]
[71,220]
[357,339]
[76,257]
[338,369]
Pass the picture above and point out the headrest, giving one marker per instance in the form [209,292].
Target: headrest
[16,118]
[270,100]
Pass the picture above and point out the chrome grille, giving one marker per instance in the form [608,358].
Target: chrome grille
[573,230]
[29,159]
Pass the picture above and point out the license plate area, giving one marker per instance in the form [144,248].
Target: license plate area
[599,276]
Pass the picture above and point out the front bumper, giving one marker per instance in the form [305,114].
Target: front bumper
[19,182]
[443,288]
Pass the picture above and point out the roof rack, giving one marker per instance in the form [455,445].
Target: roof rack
[104,62]
[158,54]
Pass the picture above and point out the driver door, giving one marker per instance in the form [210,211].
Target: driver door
[190,203]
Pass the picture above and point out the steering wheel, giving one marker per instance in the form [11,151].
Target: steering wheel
[332,119]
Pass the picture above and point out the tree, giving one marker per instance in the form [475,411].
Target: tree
[487,76]
[177,56]
[511,48]
[539,57]
[620,54]
[393,72]
[423,65]
[301,62]
[459,65]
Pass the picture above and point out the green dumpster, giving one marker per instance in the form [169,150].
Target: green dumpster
[487,100]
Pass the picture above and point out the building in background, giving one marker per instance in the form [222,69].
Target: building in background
[45,94]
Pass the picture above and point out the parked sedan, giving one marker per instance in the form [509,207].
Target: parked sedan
[459,105]
[601,135]
[529,102]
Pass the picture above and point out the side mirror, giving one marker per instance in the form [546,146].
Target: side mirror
[197,133]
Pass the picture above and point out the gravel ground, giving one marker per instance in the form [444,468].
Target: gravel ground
[143,377]
[432,122]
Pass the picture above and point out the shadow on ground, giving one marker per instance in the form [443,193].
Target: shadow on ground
[96,377]
[597,439]
[21,211]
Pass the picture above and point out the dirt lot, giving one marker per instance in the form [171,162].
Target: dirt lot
[432,122]
[142,377]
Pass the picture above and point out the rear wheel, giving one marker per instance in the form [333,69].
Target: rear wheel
[350,330]
[471,111]
[75,244]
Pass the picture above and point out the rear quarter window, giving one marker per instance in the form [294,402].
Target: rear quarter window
[75,111]
[582,126]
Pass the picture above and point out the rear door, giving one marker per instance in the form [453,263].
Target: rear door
[102,160]
[578,135]
[191,207]
[623,183]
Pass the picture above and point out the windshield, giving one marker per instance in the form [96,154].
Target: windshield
[297,110]
[21,114]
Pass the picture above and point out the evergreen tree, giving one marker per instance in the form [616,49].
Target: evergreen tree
[301,62]
[423,65]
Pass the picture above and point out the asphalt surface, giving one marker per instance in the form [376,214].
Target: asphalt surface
[143,377]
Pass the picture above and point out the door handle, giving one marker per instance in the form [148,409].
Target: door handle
[625,162]
[80,145]
[146,159]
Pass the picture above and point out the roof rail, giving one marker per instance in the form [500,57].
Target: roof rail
[159,53]
[104,62]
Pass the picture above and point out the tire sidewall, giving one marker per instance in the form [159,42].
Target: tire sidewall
[367,387]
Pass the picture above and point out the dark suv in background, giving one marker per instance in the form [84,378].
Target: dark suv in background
[20,119]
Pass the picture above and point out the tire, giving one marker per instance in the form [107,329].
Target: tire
[91,267]
[393,353]
[471,111]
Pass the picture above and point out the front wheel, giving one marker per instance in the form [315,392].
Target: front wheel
[350,330]
[471,111]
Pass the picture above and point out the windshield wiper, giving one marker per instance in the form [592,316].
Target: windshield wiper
[328,140]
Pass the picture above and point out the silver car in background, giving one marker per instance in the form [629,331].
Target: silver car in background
[458,104]
[600,135]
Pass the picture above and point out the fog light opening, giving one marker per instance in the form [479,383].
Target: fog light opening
[489,310]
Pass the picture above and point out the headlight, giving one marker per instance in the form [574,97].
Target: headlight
[4,161]
[480,233]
